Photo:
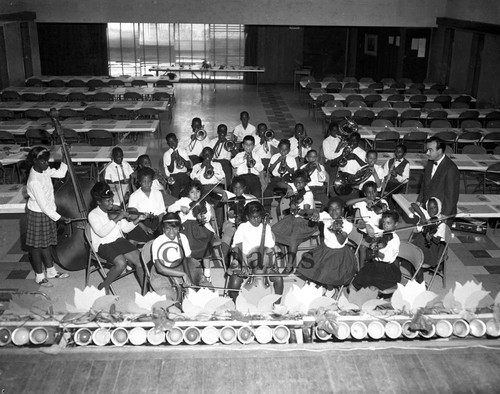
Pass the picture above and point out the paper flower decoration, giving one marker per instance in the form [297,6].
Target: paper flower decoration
[412,297]
[26,304]
[203,302]
[358,298]
[147,301]
[248,300]
[301,300]
[84,299]
[465,297]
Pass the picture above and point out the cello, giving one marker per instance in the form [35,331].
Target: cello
[72,198]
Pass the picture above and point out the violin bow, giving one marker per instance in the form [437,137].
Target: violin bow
[205,196]
[442,219]
[119,188]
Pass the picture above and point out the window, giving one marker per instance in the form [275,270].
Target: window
[135,47]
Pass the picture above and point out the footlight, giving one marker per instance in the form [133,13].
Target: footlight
[39,335]
[359,330]
[461,328]
[321,334]
[376,329]
[101,336]
[477,328]
[492,328]
[393,330]
[137,336]
[407,332]
[155,336]
[444,328]
[119,336]
[192,335]
[281,334]
[429,333]
[228,335]
[263,334]
[20,336]
[174,336]
[210,335]
[83,337]
[343,331]
[5,337]
[246,335]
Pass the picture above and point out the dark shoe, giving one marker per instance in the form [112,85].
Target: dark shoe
[44,283]
[288,271]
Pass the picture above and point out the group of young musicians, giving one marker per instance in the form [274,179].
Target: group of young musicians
[221,191]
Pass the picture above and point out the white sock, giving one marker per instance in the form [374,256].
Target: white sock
[329,293]
[39,277]
[206,272]
[52,271]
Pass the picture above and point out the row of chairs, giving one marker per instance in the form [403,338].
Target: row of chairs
[32,137]
[383,81]
[89,113]
[11,95]
[92,83]
[365,117]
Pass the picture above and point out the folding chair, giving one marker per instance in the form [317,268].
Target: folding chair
[96,263]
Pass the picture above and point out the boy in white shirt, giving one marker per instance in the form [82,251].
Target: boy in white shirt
[176,164]
[244,128]
[191,144]
[118,173]
[248,165]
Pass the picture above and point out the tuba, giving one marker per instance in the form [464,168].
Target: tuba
[346,128]
[198,135]
[343,184]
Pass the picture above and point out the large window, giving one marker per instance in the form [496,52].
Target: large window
[135,47]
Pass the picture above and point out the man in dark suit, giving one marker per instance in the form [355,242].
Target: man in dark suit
[441,178]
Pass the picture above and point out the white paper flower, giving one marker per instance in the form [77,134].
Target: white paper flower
[84,299]
[411,297]
[147,301]
[201,297]
[299,300]
[469,295]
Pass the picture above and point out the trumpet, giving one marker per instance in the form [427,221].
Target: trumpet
[250,161]
[311,167]
[307,142]
[269,135]
[170,180]
[209,171]
[229,145]
[179,161]
[198,135]
[282,168]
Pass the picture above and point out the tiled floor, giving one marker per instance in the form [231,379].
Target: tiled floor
[471,256]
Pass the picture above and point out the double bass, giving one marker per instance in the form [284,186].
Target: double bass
[72,198]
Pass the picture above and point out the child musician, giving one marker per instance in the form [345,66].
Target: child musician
[244,128]
[377,172]
[210,174]
[177,165]
[298,153]
[41,235]
[332,263]
[297,227]
[245,249]
[281,167]
[370,211]
[117,174]
[195,215]
[382,271]
[248,165]
[193,145]
[267,146]
[145,161]
[397,171]
[221,154]
[171,256]
[317,174]
[236,202]
[107,236]
[148,200]
[330,152]
[430,238]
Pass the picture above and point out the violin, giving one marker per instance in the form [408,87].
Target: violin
[199,210]
[430,229]
[236,206]
[296,199]
[378,243]
[377,206]
[336,226]
[132,214]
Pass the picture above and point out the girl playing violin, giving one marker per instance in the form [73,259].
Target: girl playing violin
[117,174]
[295,228]
[195,214]
[41,235]
[249,238]
[370,211]
[236,202]
[317,173]
[107,236]
[281,166]
[332,263]
[431,237]
[168,252]
[146,199]
[382,271]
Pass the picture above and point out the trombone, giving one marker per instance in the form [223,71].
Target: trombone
[198,135]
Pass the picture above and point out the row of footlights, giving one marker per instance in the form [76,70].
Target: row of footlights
[357,330]
[376,329]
